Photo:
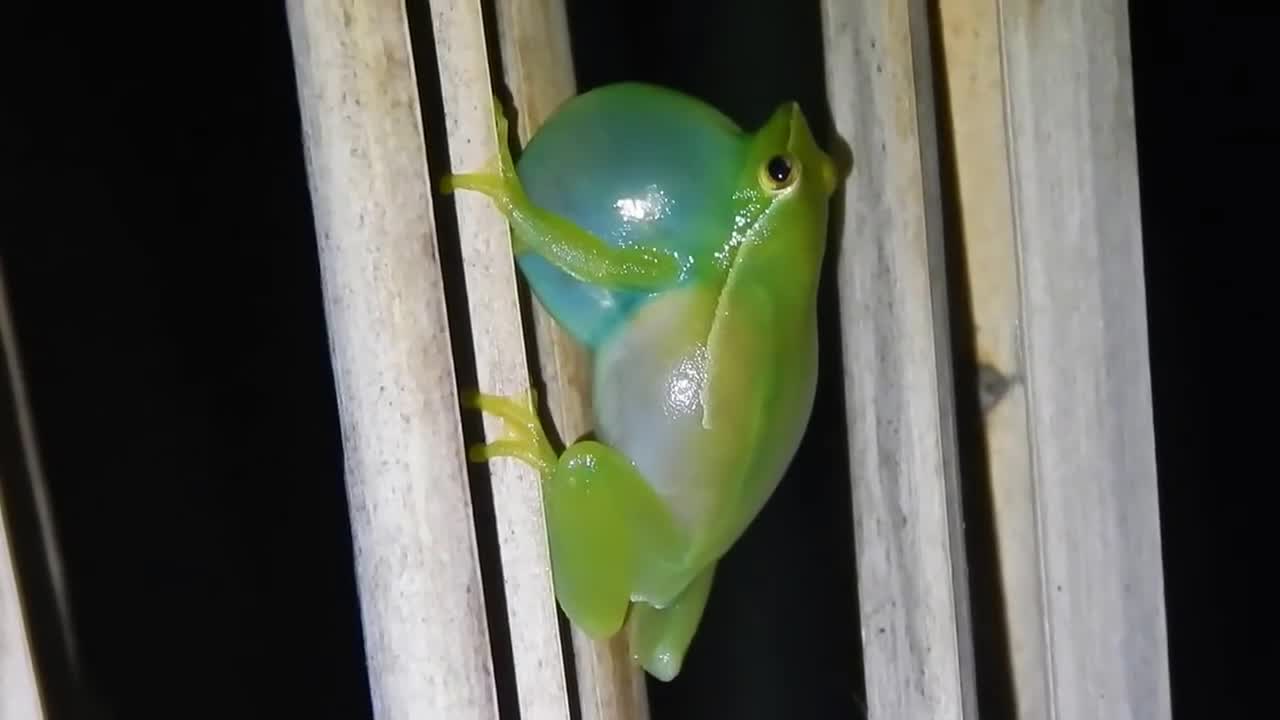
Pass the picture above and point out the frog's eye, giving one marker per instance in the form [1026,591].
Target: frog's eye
[778,173]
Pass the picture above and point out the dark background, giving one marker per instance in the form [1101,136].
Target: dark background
[157,235]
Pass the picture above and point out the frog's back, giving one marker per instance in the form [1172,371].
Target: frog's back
[635,165]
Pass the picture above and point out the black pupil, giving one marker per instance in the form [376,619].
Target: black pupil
[779,169]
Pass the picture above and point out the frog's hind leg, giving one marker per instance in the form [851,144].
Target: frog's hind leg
[611,537]
[564,244]
[660,637]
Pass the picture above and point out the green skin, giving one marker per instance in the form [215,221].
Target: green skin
[624,549]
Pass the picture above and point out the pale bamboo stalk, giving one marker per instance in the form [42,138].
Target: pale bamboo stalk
[1083,343]
[907,516]
[538,65]
[501,365]
[975,98]
[19,689]
[417,566]
[19,693]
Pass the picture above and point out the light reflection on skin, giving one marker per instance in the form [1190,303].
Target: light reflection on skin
[652,205]
[685,384]
[649,206]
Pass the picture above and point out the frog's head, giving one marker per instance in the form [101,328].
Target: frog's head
[781,204]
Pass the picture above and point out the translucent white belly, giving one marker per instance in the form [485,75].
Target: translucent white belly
[648,403]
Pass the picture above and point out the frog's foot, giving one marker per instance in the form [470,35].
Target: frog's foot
[659,638]
[524,439]
[564,244]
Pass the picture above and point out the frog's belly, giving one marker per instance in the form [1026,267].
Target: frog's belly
[648,403]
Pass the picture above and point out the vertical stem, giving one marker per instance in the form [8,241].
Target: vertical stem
[417,566]
[501,364]
[538,65]
[39,662]
[912,574]
[1083,345]
[975,101]
[19,691]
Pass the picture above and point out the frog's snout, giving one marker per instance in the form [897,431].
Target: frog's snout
[803,145]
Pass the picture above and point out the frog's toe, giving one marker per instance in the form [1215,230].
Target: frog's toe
[660,637]
[519,409]
[524,437]
[520,449]
[500,119]
[490,183]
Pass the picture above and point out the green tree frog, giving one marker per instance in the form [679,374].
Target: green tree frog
[684,253]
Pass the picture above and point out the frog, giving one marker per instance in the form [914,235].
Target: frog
[684,254]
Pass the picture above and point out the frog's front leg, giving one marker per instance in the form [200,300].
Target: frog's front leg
[564,244]
[612,539]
